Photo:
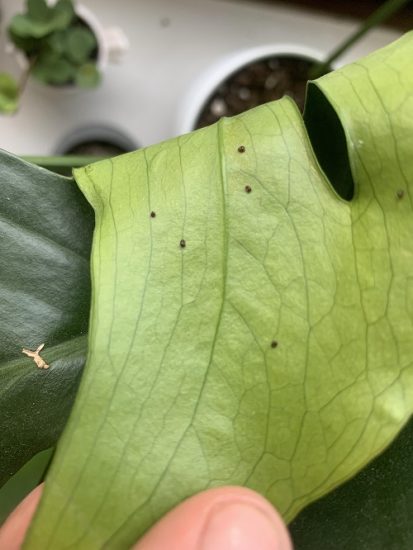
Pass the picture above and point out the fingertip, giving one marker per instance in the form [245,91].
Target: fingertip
[14,529]
[227,518]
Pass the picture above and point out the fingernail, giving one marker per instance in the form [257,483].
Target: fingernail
[241,526]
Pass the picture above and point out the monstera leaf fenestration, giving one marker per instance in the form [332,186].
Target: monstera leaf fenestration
[249,325]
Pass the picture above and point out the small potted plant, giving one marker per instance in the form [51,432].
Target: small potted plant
[55,44]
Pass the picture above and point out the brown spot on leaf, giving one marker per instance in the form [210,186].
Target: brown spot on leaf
[248,189]
[241,149]
[182,243]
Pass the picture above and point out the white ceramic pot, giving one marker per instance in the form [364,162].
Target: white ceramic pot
[179,51]
[203,88]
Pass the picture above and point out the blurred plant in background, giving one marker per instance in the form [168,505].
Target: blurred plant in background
[54,45]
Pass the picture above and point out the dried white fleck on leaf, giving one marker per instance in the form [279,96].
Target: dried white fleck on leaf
[35,355]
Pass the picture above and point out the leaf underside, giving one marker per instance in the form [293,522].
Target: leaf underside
[258,330]
[45,298]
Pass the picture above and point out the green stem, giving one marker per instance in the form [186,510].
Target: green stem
[26,73]
[385,11]
[66,161]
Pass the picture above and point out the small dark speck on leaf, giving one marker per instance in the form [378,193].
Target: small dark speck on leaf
[182,243]
[241,149]
[248,189]
[153,215]
[400,193]
[274,344]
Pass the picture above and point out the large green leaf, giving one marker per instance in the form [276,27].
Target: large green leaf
[38,10]
[44,297]
[256,329]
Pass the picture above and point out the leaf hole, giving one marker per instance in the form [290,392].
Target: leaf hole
[328,140]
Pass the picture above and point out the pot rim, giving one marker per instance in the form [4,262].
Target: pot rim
[211,78]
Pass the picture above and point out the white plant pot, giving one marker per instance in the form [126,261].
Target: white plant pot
[203,88]
[180,50]
[112,41]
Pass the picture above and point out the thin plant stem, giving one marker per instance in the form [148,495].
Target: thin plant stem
[25,75]
[23,80]
[64,161]
[380,15]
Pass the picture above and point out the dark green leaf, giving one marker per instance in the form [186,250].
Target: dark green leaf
[9,94]
[57,42]
[28,44]
[45,234]
[23,27]
[88,76]
[80,43]
[60,17]
[63,14]
[38,10]
[373,511]
[50,68]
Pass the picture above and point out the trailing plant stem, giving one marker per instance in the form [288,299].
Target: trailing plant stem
[376,18]
[25,75]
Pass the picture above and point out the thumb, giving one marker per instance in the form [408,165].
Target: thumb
[227,518]
[14,529]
